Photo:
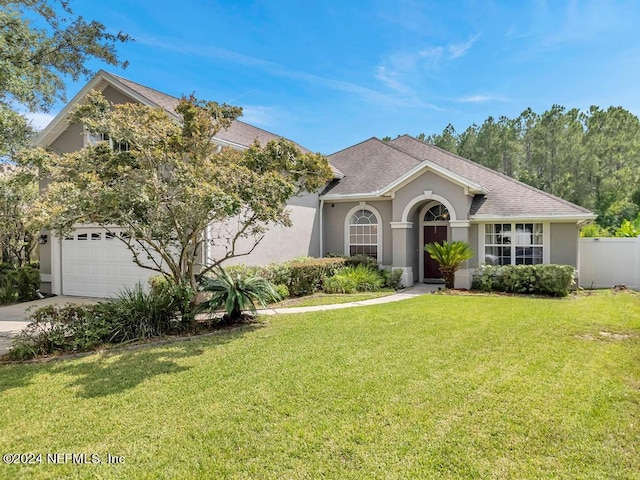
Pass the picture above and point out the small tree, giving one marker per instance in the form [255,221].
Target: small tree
[163,180]
[450,257]
[235,294]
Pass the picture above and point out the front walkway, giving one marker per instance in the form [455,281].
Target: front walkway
[415,291]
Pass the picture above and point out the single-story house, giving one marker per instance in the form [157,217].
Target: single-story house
[387,200]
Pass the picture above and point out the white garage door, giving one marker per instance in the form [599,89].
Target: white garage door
[95,264]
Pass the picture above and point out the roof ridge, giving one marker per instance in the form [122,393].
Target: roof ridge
[495,172]
[119,77]
[351,146]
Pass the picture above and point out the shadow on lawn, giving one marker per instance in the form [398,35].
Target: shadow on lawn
[120,370]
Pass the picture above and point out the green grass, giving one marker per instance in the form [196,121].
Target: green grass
[332,299]
[439,386]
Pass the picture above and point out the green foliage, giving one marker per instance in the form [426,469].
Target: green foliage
[235,294]
[55,328]
[365,260]
[133,315]
[450,257]
[19,284]
[590,158]
[629,229]
[19,226]
[282,291]
[552,280]
[42,44]
[593,230]
[307,277]
[352,279]
[392,278]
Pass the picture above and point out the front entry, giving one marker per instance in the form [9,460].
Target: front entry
[432,234]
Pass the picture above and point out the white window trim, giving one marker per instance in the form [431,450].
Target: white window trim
[347,220]
[546,239]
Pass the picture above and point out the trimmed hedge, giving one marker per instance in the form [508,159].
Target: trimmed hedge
[302,276]
[552,280]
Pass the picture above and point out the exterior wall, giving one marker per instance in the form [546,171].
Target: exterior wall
[564,244]
[439,186]
[284,243]
[116,96]
[473,242]
[333,227]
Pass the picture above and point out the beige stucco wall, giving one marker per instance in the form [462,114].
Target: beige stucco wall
[334,221]
[284,243]
[438,186]
[564,244]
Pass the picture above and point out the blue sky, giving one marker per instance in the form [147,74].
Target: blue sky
[330,74]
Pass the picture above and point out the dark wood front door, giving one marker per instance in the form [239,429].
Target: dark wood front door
[432,234]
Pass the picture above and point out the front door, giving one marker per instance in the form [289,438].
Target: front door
[433,234]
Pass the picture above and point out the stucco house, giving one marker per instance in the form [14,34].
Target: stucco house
[386,200]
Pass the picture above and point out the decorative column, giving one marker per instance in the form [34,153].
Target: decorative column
[400,232]
[460,232]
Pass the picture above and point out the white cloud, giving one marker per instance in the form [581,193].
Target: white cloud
[459,49]
[481,99]
[258,115]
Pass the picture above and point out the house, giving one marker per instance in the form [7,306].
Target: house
[386,200]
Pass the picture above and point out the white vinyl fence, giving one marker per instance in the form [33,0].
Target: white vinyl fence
[605,262]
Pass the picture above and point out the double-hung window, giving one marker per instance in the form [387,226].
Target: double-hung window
[513,243]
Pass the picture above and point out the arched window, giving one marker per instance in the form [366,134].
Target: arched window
[437,213]
[363,233]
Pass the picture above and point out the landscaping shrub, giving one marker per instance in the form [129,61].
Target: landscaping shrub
[19,284]
[392,278]
[553,280]
[57,328]
[234,294]
[359,278]
[365,260]
[307,276]
[282,291]
[134,315]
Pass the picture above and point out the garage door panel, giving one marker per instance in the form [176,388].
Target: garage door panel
[95,265]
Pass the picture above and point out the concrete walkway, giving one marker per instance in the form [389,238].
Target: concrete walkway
[13,317]
[415,291]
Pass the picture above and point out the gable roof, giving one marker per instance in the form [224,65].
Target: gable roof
[238,135]
[373,167]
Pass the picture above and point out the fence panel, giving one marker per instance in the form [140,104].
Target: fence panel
[605,262]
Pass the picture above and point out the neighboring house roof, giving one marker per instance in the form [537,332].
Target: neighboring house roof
[239,134]
[373,167]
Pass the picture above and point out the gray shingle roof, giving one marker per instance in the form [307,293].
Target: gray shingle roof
[239,132]
[373,164]
[369,167]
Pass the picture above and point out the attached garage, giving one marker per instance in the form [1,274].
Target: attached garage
[96,264]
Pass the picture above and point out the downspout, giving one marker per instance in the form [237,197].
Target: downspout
[320,228]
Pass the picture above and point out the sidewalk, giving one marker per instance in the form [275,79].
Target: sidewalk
[415,291]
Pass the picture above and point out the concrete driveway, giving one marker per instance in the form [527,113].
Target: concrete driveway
[13,318]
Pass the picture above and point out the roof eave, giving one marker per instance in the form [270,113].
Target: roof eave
[581,218]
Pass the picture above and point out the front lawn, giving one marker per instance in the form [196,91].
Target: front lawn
[438,386]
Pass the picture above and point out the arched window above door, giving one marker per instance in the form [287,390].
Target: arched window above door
[437,213]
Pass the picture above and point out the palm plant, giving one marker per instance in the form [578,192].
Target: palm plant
[450,256]
[235,294]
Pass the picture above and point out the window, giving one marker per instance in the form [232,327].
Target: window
[363,233]
[513,243]
[92,139]
[437,213]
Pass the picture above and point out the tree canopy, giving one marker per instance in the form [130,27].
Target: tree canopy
[164,181]
[41,44]
[589,158]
